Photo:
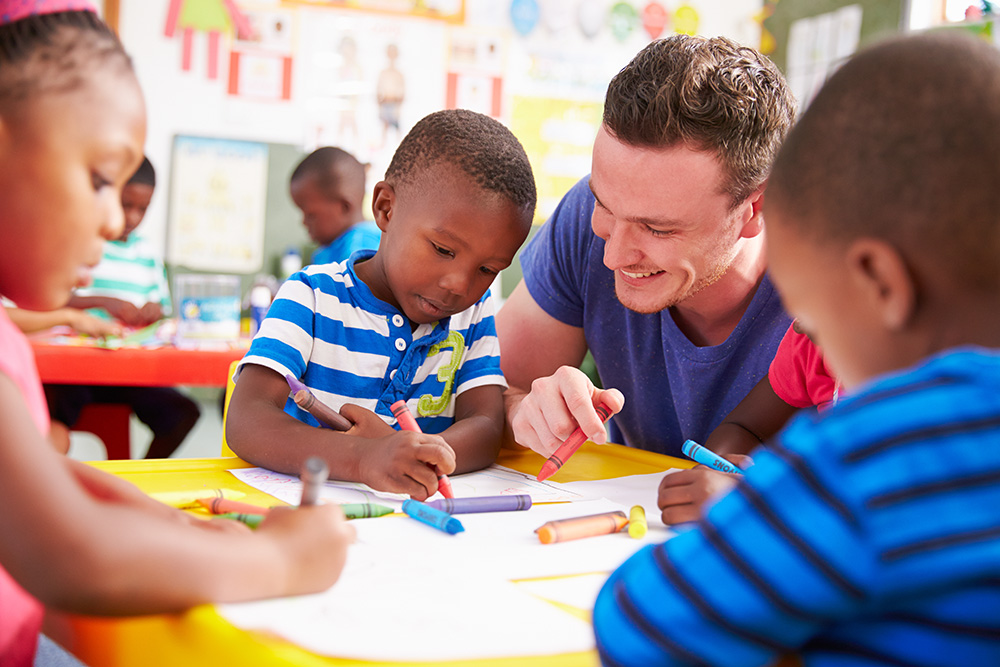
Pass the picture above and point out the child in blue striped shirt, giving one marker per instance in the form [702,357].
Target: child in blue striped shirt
[411,321]
[865,534]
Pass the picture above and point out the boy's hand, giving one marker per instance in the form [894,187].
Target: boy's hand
[88,325]
[367,424]
[124,311]
[683,495]
[406,462]
[150,313]
[314,542]
[557,405]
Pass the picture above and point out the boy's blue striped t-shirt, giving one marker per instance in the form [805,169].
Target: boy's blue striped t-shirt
[326,328]
[869,534]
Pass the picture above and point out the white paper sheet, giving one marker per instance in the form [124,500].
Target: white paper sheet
[492,481]
[578,591]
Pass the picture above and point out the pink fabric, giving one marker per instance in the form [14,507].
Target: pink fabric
[798,374]
[20,613]
[14,10]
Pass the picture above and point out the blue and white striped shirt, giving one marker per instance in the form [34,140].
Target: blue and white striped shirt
[868,535]
[326,328]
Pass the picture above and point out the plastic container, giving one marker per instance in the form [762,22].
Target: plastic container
[208,311]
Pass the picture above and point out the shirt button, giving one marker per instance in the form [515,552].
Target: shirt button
[397,320]
[392,374]
[400,344]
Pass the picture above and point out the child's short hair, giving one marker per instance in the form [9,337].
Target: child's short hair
[903,144]
[53,52]
[335,171]
[710,93]
[145,174]
[475,143]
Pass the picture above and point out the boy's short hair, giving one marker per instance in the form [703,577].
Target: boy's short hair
[145,174]
[709,93]
[475,143]
[336,171]
[53,52]
[903,144]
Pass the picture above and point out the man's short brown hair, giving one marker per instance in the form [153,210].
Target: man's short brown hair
[709,93]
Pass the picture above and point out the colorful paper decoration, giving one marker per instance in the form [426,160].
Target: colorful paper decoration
[686,20]
[214,17]
[590,17]
[623,19]
[654,19]
[524,15]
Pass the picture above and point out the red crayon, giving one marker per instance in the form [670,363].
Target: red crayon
[225,506]
[569,447]
[408,423]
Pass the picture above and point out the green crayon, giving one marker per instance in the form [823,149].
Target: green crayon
[365,510]
[252,520]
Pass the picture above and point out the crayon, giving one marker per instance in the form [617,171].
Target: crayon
[582,526]
[365,510]
[408,423]
[324,414]
[569,447]
[707,457]
[483,504]
[252,520]
[637,526]
[313,476]
[189,499]
[432,516]
[224,506]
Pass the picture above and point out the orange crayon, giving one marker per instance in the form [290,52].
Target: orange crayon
[225,506]
[569,447]
[582,526]
[408,423]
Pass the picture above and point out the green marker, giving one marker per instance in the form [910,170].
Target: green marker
[365,510]
[252,520]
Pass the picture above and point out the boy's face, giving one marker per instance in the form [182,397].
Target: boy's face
[64,159]
[444,240]
[669,230]
[135,201]
[817,289]
[324,218]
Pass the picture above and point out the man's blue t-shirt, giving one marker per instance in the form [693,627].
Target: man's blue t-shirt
[674,390]
[364,235]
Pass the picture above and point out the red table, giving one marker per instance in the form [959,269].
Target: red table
[148,367]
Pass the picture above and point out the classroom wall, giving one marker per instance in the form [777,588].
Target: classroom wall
[544,76]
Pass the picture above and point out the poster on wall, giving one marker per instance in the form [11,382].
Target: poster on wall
[217,204]
[452,11]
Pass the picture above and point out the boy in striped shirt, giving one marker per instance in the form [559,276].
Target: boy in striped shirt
[866,534]
[411,321]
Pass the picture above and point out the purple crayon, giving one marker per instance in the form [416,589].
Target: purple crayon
[324,414]
[483,504]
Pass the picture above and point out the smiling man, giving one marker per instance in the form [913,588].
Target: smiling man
[655,262]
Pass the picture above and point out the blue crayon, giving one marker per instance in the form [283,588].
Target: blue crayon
[707,457]
[482,504]
[432,516]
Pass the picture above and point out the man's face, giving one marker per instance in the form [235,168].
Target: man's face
[669,229]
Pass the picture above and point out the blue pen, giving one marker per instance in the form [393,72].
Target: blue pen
[707,457]
[432,516]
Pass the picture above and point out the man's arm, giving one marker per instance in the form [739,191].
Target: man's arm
[548,396]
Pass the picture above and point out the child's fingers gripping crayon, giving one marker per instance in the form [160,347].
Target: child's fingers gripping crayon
[323,413]
[583,526]
[569,447]
[637,526]
[408,423]
[314,475]
[707,457]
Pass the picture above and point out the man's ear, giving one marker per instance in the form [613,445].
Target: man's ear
[752,215]
[383,201]
[884,281]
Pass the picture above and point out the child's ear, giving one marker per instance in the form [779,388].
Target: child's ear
[383,200]
[753,217]
[884,279]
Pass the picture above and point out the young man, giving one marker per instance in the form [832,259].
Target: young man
[656,261]
[866,534]
[328,186]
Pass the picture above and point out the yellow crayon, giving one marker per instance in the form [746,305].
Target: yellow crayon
[583,526]
[189,499]
[637,522]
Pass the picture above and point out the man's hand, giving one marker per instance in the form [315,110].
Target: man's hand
[556,406]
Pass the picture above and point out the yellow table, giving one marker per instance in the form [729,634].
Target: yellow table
[202,637]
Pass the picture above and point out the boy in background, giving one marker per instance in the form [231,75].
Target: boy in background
[328,186]
[130,285]
[412,321]
[866,533]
